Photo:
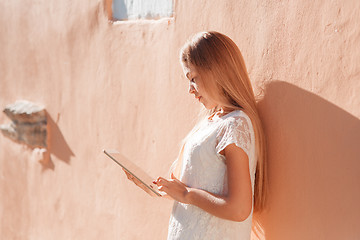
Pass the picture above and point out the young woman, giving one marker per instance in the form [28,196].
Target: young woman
[220,171]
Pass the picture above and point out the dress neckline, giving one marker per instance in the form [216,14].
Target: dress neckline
[217,115]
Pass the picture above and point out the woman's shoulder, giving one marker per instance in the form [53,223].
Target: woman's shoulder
[236,116]
[235,127]
[236,120]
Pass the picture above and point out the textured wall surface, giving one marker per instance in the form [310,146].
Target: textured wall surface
[120,86]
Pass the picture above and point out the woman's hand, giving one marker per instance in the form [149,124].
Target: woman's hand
[174,188]
[137,182]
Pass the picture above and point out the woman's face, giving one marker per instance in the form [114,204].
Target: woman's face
[196,87]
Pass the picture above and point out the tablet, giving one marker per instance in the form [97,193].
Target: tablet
[143,178]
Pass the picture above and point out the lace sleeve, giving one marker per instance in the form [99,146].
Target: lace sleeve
[236,130]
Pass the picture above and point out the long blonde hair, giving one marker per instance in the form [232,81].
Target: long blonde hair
[220,64]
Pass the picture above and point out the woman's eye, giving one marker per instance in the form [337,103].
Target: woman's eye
[192,80]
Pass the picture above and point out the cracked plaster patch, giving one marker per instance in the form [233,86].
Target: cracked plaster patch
[28,124]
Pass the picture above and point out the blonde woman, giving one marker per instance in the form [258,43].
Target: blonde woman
[219,178]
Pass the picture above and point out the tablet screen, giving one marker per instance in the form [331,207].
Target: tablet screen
[143,178]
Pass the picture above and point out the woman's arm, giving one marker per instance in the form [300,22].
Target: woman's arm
[235,206]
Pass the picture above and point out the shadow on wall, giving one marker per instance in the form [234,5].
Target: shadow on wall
[314,166]
[56,145]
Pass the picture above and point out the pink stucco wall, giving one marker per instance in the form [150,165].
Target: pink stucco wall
[120,86]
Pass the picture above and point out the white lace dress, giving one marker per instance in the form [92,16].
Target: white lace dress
[204,167]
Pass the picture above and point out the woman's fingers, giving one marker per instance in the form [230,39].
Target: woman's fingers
[176,180]
[131,178]
[160,178]
[164,185]
[128,175]
[162,188]
[165,182]
[162,182]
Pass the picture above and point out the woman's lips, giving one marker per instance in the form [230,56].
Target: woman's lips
[198,98]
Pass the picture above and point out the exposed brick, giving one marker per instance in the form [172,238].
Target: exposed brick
[28,123]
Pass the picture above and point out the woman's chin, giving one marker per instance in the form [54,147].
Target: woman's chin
[206,104]
[208,107]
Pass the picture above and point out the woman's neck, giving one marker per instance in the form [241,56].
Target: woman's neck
[220,111]
[223,111]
